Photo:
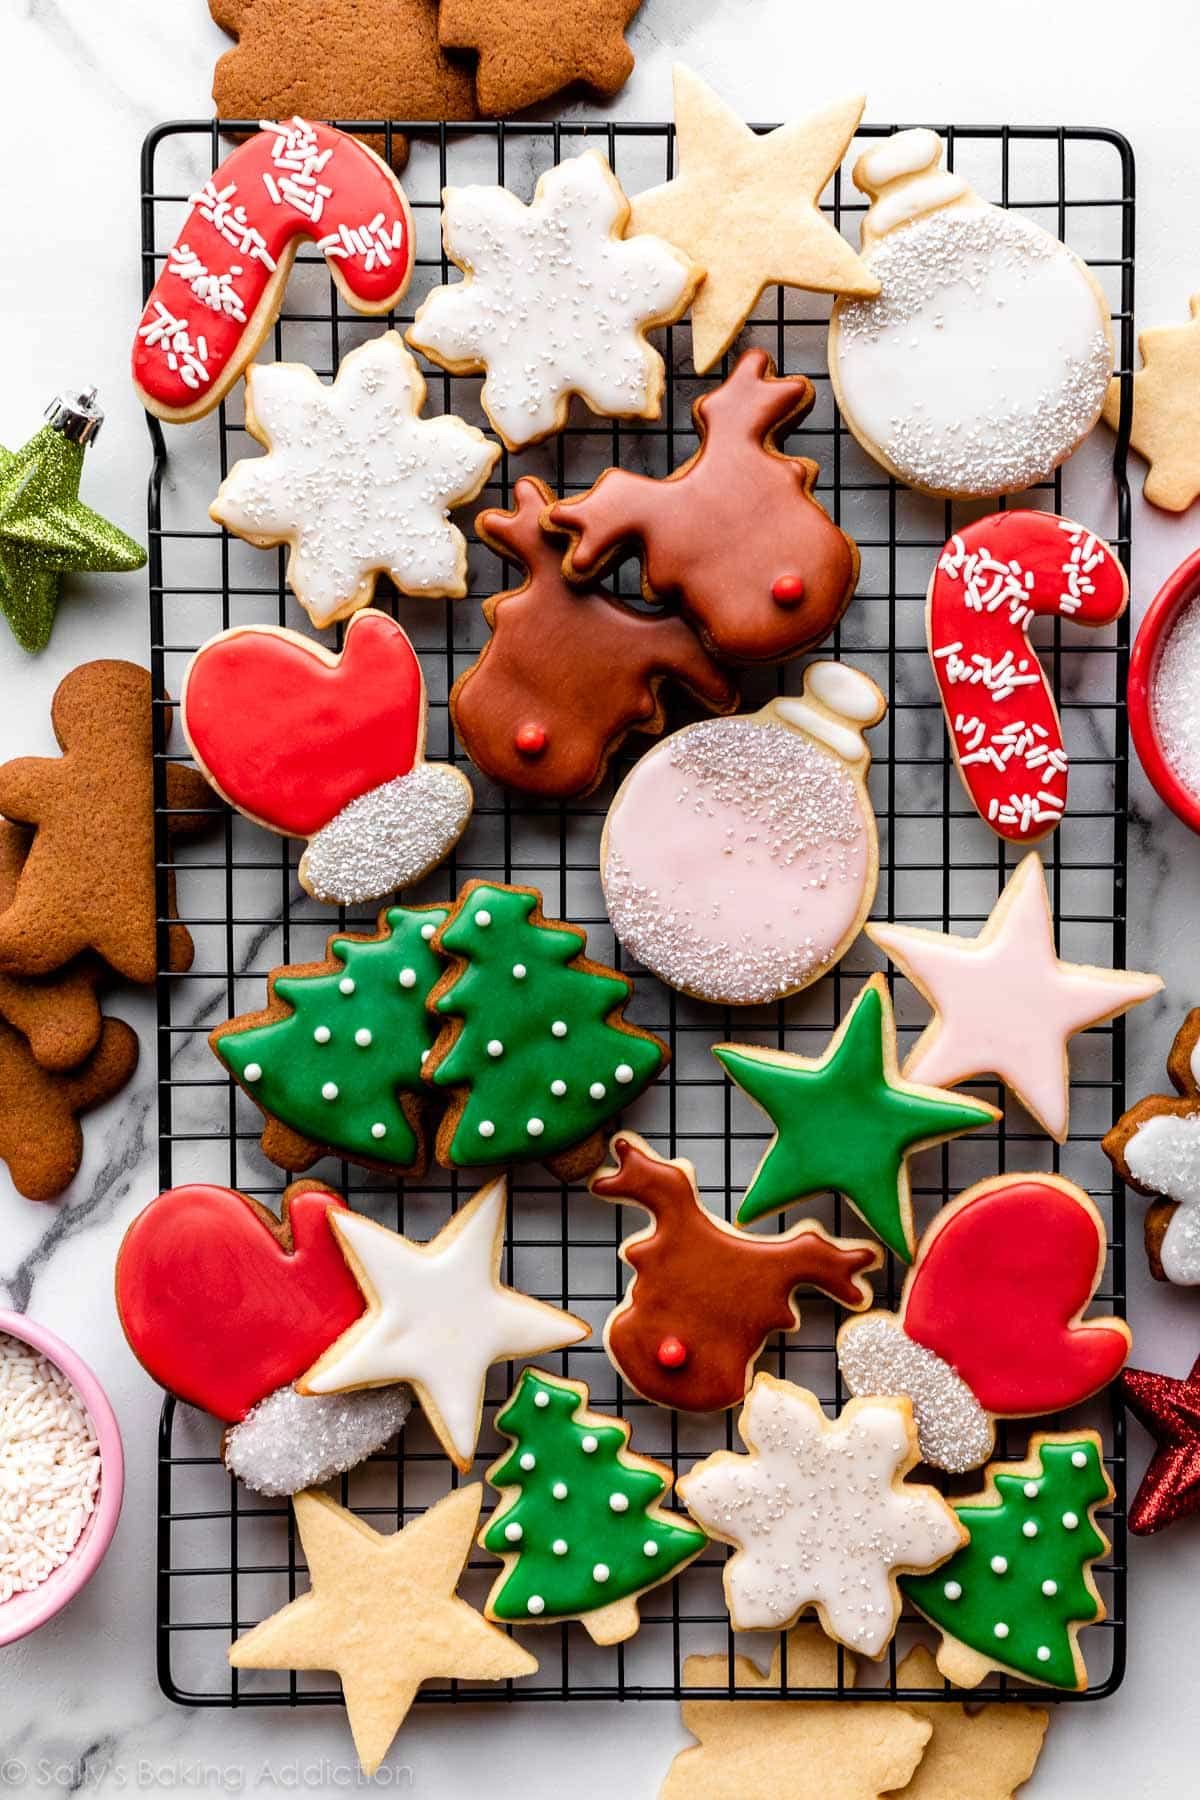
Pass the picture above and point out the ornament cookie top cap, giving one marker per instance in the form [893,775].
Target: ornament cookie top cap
[838,704]
[904,181]
[79,418]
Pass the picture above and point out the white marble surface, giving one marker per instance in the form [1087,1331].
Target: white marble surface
[85,79]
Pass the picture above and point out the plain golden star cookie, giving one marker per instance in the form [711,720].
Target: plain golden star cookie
[529,49]
[1166,411]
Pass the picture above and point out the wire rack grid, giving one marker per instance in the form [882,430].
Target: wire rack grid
[226,1557]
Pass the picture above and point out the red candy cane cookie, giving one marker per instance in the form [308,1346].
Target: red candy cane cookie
[991,581]
[222,287]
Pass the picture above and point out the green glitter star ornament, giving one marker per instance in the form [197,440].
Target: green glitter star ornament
[46,531]
[846,1121]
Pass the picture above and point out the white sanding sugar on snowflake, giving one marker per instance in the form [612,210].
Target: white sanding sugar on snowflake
[1164,1154]
[355,480]
[555,301]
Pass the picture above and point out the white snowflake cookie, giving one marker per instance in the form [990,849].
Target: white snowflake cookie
[1155,1147]
[556,301]
[355,480]
[819,1514]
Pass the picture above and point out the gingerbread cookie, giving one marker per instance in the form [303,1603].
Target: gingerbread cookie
[1017,1594]
[354,480]
[334,1059]
[991,1323]
[756,592]
[984,358]
[580,1524]
[58,1014]
[568,671]
[740,856]
[40,1137]
[1155,1147]
[88,882]
[536,1056]
[529,49]
[333,59]
[820,1515]
[556,301]
[1005,1003]
[991,581]
[1163,426]
[747,209]
[329,747]
[705,1296]
[222,288]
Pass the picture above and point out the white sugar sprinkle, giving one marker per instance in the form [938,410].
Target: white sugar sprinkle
[1176,697]
[49,1468]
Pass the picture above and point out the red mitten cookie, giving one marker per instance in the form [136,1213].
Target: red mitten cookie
[59,1014]
[40,1137]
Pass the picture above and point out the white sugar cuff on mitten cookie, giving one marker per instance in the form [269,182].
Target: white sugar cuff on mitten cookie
[291,1441]
[389,837]
[876,1357]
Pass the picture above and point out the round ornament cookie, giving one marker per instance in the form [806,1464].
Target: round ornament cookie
[985,358]
[1155,1147]
[740,856]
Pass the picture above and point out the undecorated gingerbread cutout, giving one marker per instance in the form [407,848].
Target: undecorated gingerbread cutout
[568,671]
[529,49]
[40,1137]
[58,1014]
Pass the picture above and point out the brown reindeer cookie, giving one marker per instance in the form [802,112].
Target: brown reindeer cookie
[1155,1147]
[40,1137]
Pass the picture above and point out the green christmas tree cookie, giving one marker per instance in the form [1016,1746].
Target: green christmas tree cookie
[538,1055]
[1014,1598]
[334,1060]
[578,1525]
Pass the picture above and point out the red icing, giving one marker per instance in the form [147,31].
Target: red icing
[990,580]
[530,739]
[997,1287]
[255,248]
[222,1304]
[672,1353]
[788,590]
[290,734]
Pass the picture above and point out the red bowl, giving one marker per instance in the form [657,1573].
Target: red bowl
[1177,592]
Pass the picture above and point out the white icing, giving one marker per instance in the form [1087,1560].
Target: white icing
[554,304]
[355,480]
[1164,1154]
[842,739]
[846,689]
[902,154]
[817,1515]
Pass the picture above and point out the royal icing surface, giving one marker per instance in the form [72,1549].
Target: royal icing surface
[1005,1004]
[991,581]
[1164,1154]
[355,480]
[818,1514]
[555,301]
[542,1056]
[219,1306]
[210,306]
[438,1317]
[986,355]
[1018,1591]
[338,1066]
[580,1520]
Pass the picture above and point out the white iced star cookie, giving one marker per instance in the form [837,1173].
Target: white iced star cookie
[819,1514]
[555,301]
[355,480]
[437,1317]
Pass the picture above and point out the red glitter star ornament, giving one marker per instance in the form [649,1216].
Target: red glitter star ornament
[1169,1408]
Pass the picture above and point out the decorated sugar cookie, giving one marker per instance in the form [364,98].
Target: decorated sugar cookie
[739,857]
[226,1305]
[991,1323]
[1155,1147]
[820,1515]
[1016,1596]
[1004,1002]
[992,579]
[704,1295]
[329,747]
[1163,428]
[754,595]
[355,480]
[1169,1409]
[985,357]
[580,1525]
[556,301]
[437,1317]
[846,1120]
[334,1060]
[536,1055]
[222,288]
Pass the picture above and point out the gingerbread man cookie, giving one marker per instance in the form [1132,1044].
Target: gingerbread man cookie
[58,1014]
[1163,428]
[40,1137]
[568,671]
[530,49]
[88,882]
[1155,1147]
[734,536]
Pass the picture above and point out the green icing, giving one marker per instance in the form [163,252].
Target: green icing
[542,1066]
[840,1123]
[317,1043]
[540,1419]
[970,1596]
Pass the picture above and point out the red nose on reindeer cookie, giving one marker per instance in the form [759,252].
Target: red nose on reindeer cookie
[990,1321]
[991,581]
[331,748]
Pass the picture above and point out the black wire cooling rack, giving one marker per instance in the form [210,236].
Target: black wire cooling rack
[226,1557]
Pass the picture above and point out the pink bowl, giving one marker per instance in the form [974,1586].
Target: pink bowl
[23,1613]
[1176,594]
